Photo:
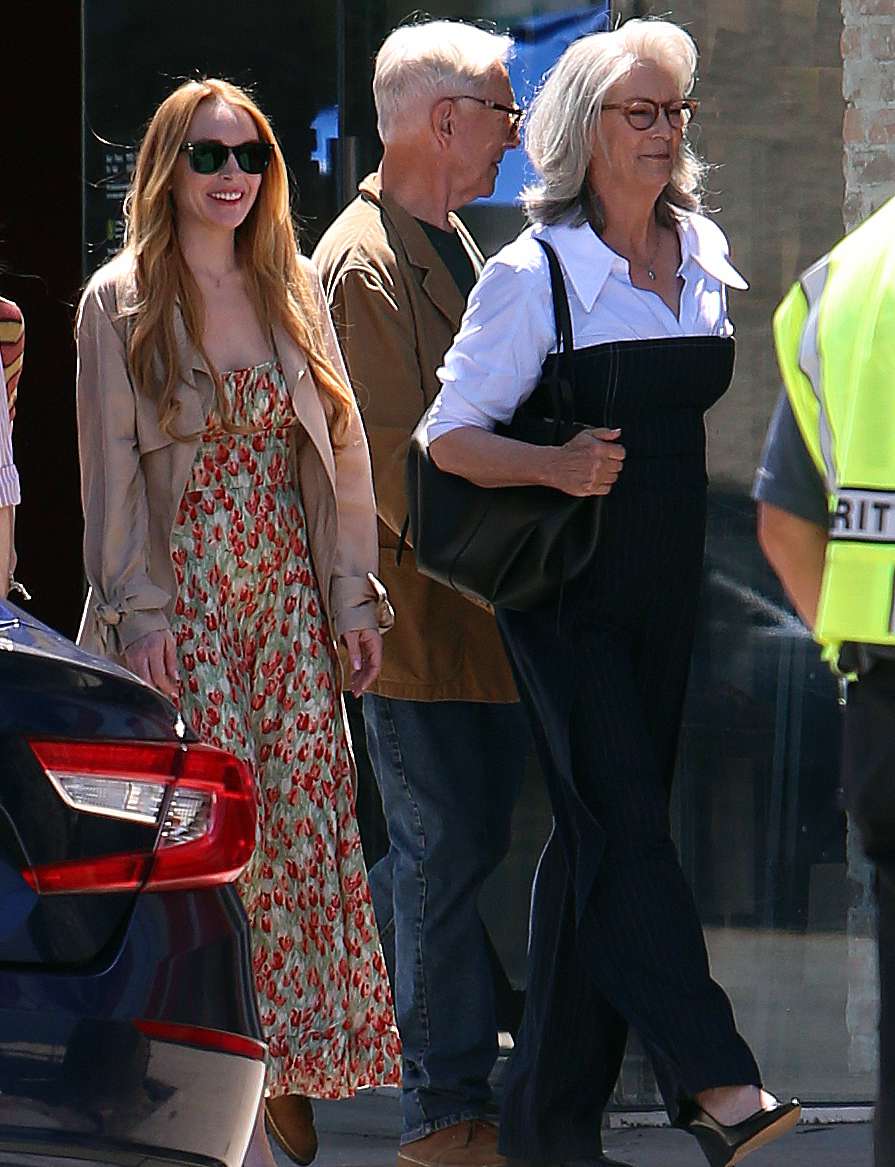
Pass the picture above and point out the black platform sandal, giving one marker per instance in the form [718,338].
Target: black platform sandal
[725,1145]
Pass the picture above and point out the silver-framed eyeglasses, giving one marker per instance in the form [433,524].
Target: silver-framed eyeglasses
[514,112]
[642,114]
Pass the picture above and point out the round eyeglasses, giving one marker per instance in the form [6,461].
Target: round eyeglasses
[642,114]
[209,157]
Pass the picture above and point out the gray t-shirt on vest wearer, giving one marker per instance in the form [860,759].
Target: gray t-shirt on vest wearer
[787,476]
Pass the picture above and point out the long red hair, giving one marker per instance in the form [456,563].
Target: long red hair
[266,248]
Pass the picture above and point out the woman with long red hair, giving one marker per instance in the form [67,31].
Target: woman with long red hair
[229,541]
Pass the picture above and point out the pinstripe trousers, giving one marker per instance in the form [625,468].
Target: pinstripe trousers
[868,763]
[615,938]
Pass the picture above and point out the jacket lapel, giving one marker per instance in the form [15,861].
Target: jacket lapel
[438,283]
[195,394]
[305,398]
[435,279]
[191,361]
[197,390]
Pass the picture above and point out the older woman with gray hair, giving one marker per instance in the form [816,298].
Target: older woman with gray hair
[615,938]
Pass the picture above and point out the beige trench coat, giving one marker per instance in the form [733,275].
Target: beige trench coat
[133,476]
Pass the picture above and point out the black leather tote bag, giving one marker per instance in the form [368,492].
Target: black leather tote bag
[509,546]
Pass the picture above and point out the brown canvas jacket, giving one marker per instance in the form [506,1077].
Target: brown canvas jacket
[133,476]
[396,309]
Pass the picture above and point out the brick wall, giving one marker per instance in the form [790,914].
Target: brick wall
[868,85]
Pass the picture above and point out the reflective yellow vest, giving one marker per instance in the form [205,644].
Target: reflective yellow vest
[835,337]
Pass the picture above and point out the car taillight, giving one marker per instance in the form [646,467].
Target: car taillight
[200,797]
[197,1035]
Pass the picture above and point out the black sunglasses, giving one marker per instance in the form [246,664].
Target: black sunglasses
[209,157]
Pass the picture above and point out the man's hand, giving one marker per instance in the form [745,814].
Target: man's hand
[364,648]
[154,659]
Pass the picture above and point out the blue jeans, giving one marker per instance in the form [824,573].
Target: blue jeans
[449,773]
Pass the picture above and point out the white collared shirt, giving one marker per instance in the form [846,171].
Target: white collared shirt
[508,327]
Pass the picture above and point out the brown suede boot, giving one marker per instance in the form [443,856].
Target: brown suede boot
[290,1120]
[465,1144]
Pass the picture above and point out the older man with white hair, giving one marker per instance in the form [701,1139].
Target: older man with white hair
[445,732]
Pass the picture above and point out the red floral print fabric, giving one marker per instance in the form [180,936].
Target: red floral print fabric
[259,676]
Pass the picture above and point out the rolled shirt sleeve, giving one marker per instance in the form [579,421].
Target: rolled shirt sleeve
[495,361]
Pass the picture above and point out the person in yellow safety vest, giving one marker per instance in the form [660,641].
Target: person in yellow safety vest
[826,522]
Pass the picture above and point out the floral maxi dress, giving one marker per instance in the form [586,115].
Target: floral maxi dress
[259,679]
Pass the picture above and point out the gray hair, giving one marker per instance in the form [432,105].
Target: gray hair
[420,63]
[565,118]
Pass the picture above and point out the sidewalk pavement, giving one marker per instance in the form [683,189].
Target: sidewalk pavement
[364,1133]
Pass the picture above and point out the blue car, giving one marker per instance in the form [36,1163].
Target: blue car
[129,1032]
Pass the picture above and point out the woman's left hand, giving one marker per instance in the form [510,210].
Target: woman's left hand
[365,656]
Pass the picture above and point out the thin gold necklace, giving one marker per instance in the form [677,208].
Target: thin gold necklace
[651,266]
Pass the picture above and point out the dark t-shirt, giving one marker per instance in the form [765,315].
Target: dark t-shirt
[787,476]
[454,254]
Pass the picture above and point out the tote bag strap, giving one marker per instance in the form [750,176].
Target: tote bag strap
[562,379]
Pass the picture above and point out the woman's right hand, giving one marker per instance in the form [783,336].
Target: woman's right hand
[588,464]
[154,659]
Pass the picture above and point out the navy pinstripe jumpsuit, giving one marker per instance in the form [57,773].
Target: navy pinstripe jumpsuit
[615,937]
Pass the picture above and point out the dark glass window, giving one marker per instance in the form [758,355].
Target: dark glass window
[783,893]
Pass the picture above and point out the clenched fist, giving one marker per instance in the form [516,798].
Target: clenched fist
[588,464]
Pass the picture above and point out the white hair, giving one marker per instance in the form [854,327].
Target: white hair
[565,117]
[420,63]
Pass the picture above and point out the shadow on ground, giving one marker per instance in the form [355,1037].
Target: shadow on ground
[364,1133]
